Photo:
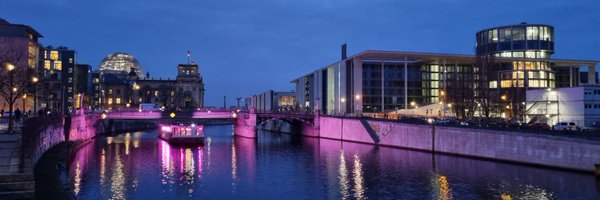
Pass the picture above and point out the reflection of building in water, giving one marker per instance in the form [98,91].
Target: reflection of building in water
[359,189]
[343,177]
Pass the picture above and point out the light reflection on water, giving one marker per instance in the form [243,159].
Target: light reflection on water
[278,166]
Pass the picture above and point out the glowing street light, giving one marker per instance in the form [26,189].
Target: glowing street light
[503,97]
[357,97]
[10,66]
[103,116]
[172,115]
[343,100]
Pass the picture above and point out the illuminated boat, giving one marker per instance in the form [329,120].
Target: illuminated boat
[182,133]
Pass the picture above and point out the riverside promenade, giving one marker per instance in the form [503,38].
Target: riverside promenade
[14,183]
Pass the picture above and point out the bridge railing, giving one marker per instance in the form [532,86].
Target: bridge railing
[136,114]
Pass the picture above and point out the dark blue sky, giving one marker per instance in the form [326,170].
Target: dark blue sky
[246,47]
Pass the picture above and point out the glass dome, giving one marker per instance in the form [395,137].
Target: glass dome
[121,63]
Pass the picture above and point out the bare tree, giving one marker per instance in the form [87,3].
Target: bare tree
[15,75]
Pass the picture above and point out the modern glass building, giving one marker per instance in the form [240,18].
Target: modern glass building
[509,60]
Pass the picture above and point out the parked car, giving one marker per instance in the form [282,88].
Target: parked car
[565,126]
[539,126]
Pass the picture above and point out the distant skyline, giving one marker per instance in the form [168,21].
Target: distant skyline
[248,47]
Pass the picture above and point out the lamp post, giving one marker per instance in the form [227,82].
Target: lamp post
[24,98]
[10,67]
[34,80]
[357,99]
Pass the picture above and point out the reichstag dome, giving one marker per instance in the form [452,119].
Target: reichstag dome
[118,63]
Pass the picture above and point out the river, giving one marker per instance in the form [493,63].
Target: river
[137,165]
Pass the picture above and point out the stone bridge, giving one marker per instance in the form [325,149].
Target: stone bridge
[245,123]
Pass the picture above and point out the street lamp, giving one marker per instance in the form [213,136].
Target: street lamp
[10,67]
[24,98]
[34,80]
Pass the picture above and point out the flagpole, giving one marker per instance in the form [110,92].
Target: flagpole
[188,57]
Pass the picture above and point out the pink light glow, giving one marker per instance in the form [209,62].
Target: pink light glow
[165,128]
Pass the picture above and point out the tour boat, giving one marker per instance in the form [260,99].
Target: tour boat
[182,133]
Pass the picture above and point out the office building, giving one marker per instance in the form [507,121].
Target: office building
[509,60]
[272,101]
[579,104]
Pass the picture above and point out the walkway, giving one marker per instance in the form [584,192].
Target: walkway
[13,185]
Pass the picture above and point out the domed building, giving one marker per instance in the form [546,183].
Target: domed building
[121,83]
[121,63]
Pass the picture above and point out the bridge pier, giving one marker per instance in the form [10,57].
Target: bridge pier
[244,125]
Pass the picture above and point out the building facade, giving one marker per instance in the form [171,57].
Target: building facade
[509,61]
[272,101]
[115,88]
[579,104]
[19,46]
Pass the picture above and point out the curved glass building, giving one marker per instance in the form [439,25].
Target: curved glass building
[118,63]
[518,55]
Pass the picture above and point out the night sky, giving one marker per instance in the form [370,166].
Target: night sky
[246,47]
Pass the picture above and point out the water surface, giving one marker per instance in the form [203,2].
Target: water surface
[279,166]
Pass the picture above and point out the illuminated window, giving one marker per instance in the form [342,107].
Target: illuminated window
[118,100]
[493,84]
[505,84]
[519,75]
[70,79]
[46,54]
[110,91]
[110,101]
[70,89]
[532,33]
[155,93]
[96,80]
[140,99]
[47,65]
[58,65]
[534,83]
[70,60]
[54,55]
[172,93]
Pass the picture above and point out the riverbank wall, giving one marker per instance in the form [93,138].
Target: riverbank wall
[535,149]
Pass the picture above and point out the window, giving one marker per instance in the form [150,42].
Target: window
[110,101]
[118,100]
[493,84]
[70,60]
[47,64]
[532,33]
[53,55]
[505,84]
[110,91]
[518,33]
[70,79]
[155,93]
[58,65]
